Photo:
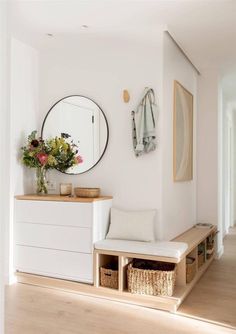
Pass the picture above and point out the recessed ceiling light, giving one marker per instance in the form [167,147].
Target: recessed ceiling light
[49,35]
[84,26]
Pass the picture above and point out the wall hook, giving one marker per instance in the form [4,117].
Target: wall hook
[126,96]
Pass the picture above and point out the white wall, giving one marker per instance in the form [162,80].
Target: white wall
[101,69]
[178,198]
[224,173]
[4,137]
[228,175]
[228,164]
[209,151]
[24,109]
[234,164]
[24,119]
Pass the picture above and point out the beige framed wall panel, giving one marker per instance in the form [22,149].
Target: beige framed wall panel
[182,134]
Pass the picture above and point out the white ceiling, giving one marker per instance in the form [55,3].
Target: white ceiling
[205,29]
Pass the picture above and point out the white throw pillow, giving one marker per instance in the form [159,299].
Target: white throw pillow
[132,225]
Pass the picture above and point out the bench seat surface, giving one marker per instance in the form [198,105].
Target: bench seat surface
[158,248]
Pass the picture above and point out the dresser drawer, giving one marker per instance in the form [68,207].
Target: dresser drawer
[54,263]
[54,213]
[76,239]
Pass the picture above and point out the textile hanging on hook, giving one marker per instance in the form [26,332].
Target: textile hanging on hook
[144,124]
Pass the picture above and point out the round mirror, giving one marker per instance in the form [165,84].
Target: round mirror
[85,122]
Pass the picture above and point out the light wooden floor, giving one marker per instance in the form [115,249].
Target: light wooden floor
[214,297]
[35,310]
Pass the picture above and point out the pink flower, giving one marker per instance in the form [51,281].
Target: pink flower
[42,157]
[79,159]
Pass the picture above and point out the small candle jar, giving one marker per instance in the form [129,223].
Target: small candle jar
[65,189]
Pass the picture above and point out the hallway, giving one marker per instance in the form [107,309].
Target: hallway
[214,297]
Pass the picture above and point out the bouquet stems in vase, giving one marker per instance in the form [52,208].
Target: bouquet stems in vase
[41,181]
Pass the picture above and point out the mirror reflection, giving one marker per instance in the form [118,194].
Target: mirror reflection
[85,122]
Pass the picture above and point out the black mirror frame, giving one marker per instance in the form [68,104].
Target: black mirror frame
[45,118]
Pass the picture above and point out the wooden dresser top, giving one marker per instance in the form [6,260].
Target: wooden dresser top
[58,198]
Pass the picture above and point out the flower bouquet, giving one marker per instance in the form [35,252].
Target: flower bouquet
[56,153]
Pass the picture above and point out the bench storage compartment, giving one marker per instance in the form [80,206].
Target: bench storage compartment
[151,278]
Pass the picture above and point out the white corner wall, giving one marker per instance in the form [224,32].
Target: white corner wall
[101,69]
[210,152]
[4,137]
[234,165]
[224,174]
[207,191]
[24,119]
[178,198]
[24,109]
[227,164]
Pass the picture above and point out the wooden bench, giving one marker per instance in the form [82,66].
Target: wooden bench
[192,239]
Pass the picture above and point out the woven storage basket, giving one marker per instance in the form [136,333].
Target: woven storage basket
[151,282]
[109,277]
[190,270]
[200,259]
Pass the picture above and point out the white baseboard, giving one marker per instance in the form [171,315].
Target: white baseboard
[220,252]
[225,232]
[10,279]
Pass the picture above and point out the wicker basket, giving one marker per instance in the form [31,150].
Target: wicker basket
[209,251]
[109,276]
[190,269]
[201,259]
[152,282]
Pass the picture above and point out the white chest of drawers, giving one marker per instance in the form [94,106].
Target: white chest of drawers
[54,236]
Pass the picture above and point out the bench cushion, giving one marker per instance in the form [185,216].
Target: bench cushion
[132,225]
[158,248]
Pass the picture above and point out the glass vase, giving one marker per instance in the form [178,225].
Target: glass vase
[41,181]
